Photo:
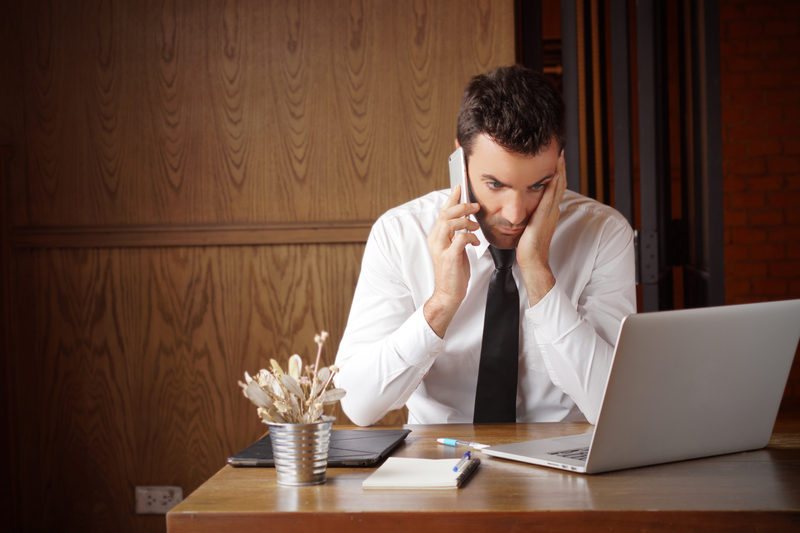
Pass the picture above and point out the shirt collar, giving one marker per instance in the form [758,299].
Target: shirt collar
[483,247]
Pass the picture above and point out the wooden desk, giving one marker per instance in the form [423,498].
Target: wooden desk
[757,490]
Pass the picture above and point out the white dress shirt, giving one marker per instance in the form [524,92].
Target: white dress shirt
[390,357]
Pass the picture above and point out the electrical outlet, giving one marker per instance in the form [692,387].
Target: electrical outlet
[157,500]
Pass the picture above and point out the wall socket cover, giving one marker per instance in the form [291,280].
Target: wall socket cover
[153,499]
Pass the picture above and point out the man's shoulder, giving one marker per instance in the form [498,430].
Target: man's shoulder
[420,210]
[402,232]
[576,204]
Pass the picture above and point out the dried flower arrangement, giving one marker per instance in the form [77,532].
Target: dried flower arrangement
[296,396]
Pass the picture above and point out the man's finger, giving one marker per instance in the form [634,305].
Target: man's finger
[459,210]
[461,240]
[462,223]
[562,169]
[549,196]
[452,200]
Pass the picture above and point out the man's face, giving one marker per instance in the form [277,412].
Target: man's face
[508,187]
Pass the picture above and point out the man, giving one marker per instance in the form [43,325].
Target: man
[416,334]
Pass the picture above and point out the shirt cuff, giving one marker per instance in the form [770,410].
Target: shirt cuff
[416,342]
[553,317]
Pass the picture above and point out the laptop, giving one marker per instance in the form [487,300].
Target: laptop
[683,384]
[348,447]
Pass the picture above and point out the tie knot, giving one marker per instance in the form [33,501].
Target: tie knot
[503,259]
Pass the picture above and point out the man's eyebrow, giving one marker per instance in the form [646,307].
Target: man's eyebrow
[487,176]
[546,178]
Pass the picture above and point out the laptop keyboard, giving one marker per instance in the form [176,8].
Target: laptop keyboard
[579,454]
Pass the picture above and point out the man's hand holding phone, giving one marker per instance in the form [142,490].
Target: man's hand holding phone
[447,245]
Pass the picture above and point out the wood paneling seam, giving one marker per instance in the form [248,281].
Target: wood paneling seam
[206,235]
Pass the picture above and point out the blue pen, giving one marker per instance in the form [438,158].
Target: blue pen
[464,458]
[456,442]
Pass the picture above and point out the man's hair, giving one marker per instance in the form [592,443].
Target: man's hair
[516,107]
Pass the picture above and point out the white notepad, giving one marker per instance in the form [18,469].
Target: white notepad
[425,474]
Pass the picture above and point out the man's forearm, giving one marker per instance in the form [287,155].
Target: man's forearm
[381,374]
[538,282]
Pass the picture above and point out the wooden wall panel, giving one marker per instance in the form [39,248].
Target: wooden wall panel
[216,112]
[191,188]
[9,490]
[130,360]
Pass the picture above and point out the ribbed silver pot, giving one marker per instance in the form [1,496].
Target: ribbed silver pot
[301,452]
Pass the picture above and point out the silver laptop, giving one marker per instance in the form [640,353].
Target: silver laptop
[683,384]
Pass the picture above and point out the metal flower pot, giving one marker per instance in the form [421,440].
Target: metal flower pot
[301,452]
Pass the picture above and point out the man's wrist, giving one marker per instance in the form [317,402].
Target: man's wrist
[538,282]
[439,313]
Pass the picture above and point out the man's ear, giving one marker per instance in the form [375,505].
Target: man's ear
[457,145]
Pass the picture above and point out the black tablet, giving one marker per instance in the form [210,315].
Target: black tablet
[349,447]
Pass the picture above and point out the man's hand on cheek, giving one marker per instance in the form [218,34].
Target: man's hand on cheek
[533,249]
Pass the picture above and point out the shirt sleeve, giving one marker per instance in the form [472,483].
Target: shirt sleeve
[388,346]
[577,338]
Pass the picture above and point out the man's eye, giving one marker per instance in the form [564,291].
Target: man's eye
[538,186]
[494,185]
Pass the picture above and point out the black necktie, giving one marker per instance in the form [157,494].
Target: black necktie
[496,394]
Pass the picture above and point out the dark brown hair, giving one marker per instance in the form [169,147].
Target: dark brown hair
[518,108]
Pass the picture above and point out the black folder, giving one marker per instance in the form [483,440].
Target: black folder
[348,447]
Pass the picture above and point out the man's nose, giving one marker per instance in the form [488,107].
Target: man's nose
[514,209]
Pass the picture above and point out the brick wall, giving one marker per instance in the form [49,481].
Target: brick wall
[760,49]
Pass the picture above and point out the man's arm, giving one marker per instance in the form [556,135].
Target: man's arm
[576,331]
[387,348]
[391,340]
[577,341]
[450,263]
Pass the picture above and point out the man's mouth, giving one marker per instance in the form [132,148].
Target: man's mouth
[510,231]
